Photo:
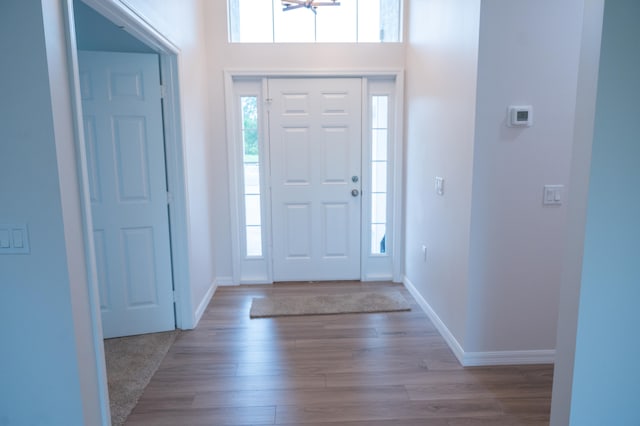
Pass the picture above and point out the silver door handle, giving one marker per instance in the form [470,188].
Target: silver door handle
[355,192]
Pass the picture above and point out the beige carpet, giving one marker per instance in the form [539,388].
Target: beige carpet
[131,362]
[362,302]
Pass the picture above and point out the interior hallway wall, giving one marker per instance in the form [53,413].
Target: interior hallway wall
[442,57]
[494,253]
[529,55]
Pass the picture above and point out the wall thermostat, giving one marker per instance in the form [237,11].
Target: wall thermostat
[520,116]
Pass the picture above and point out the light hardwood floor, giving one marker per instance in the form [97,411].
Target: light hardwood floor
[352,370]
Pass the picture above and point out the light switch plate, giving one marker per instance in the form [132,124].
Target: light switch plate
[14,239]
[552,195]
[439,185]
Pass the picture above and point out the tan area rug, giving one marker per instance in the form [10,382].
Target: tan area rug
[349,303]
[131,362]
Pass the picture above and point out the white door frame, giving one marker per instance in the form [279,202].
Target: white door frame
[138,27]
[230,76]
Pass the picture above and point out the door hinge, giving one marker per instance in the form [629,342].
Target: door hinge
[175,296]
[169,197]
[163,91]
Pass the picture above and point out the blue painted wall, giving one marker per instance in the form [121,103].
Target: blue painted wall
[39,377]
[95,32]
[606,388]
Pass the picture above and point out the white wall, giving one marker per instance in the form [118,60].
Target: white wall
[442,54]
[263,57]
[576,213]
[183,22]
[529,54]
[495,254]
[48,361]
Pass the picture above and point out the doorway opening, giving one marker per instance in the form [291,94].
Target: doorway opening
[139,33]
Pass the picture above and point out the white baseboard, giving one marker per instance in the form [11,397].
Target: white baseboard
[472,359]
[225,281]
[435,319]
[477,359]
[204,303]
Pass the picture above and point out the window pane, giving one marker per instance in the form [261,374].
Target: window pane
[389,21]
[250,111]
[251,178]
[252,209]
[379,145]
[251,21]
[369,22]
[250,137]
[293,25]
[379,208]
[254,241]
[251,174]
[379,176]
[379,112]
[336,23]
[378,239]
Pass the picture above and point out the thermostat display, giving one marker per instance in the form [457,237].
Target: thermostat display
[520,116]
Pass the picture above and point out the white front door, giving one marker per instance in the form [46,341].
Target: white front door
[315,156]
[125,151]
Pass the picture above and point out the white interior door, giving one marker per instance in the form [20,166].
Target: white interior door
[125,149]
[315,156]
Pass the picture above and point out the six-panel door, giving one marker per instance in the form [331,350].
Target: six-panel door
[125,148]
[315,153]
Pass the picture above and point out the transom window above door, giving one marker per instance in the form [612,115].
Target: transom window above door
[310,21]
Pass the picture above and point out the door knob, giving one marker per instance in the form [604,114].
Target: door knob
[355,192]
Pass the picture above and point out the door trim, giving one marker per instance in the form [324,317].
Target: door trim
[138,27]
[261,76]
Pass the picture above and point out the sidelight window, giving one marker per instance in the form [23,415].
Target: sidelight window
[251,174]
[379,167]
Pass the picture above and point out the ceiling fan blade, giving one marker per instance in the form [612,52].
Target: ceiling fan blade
[309,4]
[292,6]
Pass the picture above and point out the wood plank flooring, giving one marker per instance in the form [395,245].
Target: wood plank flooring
[350,370]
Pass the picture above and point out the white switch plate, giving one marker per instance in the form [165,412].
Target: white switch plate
[439,185]
[14,239]
[552,195]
